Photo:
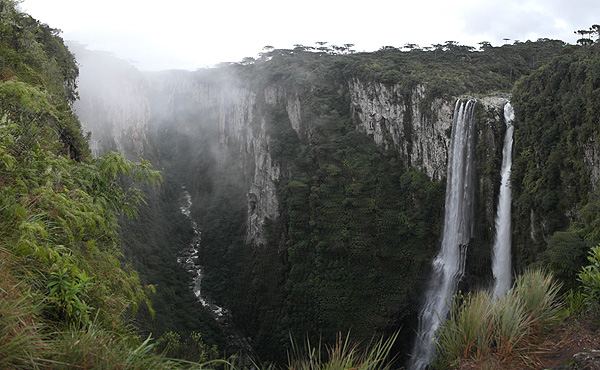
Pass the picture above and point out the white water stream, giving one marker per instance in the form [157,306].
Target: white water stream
[501,260]
[189,259]
[448,265]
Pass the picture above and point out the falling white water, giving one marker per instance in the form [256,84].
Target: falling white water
[501,260]
[448,265]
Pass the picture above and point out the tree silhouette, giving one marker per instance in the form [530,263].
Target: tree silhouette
[596,30]
[485,45]
[586,37]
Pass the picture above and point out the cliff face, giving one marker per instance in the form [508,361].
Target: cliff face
[592,161]
[230,114]
[490,140]
[120,105]
[243,135]
[406,121]
[114,105]
[419,127]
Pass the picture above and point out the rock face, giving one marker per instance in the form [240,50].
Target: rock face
[234,113]
[588,360]
[416,125]
[114,105]
[592,161]
[243,132]
[119,105]
[491,128]
[405,121]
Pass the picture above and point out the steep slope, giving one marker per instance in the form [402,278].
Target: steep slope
[555,174]
[317,179]
[118,118]
[65,297]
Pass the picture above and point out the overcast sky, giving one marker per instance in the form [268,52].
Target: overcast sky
[191,34]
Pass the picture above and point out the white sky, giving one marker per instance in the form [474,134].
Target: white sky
[191,34]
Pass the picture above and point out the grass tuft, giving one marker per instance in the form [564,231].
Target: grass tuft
[95,348]
[483,326]
[21,343]
[343,355]
[512,325]
[539,294]
[468,332]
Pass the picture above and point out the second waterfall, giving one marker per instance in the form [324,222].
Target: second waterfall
[501,265]
[448,265]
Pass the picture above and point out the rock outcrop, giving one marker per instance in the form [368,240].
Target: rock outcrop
[591,161]
[407,121]
[588,360]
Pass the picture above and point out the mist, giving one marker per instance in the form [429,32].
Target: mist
[195,127]
[315,179]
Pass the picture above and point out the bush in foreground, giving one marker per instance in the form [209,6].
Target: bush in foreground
[342,355]
[484,325]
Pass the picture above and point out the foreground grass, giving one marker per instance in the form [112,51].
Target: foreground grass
[342,355]
[484,326]
[29,341]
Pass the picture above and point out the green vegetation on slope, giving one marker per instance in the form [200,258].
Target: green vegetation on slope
[448,70]
[65,296]
[357,226]
[34,54]
[555,188]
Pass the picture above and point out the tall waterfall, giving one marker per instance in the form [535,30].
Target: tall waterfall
[501,261]
[448,265]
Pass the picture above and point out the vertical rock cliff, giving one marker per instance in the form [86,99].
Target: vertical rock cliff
[290,169]
[114,104]
[405,120]
[418,126]
[233,116]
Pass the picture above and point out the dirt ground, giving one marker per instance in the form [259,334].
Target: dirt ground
[571,337]
[568,338]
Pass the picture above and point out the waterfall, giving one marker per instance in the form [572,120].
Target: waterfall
[501,261]
[448,265]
